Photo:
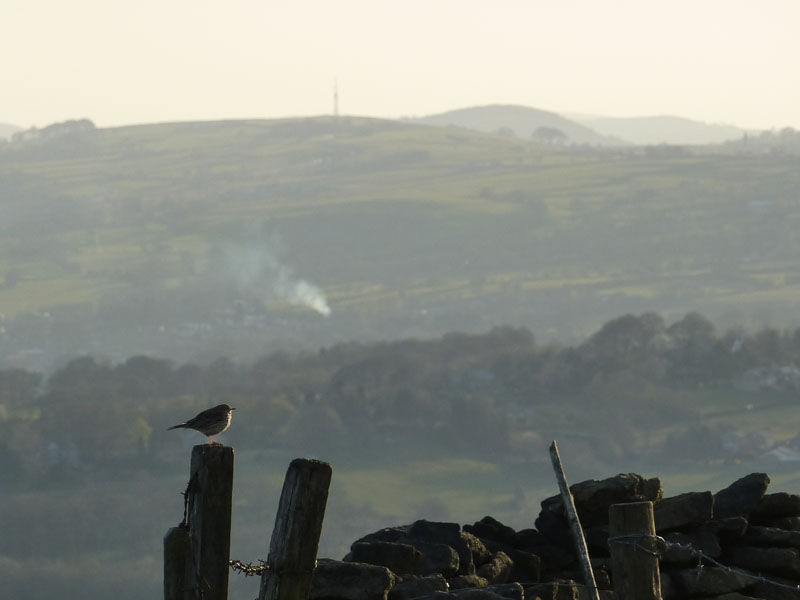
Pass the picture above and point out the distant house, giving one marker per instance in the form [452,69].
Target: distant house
[782,454]
[784,378]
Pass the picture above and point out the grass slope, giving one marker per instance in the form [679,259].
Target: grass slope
[393,219]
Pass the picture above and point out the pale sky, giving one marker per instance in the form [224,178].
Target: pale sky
[139,61]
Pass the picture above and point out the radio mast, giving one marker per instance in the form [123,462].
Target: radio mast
[335,97]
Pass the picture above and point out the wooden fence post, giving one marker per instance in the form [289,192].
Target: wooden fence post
[197,553]
[176,554]
[575,524]
[295,537]
[634,560]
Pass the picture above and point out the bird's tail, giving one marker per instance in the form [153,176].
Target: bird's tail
[176,426]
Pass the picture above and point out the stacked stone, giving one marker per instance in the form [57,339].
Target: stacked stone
[741,526]
[755,535]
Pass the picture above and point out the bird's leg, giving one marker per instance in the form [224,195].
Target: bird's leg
[214,442]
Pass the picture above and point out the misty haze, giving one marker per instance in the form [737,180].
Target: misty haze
[424,303]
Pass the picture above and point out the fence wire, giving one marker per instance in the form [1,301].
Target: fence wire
[663,545]
[249,569]
[635,540]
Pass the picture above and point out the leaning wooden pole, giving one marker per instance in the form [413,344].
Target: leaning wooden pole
[295,537]
[574,523]
[634,560]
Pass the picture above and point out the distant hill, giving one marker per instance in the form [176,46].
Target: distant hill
[7,130]
[662,130]
[192,240]
[522,121]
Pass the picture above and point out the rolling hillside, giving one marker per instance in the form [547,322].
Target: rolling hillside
[193,240]
[522,121]
[662,130]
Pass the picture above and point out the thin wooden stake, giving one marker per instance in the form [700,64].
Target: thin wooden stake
[295,537]
[574,523]
[634,561]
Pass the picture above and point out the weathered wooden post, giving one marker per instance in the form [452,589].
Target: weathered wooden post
[295,537]
[575,524]
[197,553]
[176,553]
[634,560]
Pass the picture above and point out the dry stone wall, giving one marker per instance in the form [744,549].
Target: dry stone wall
[738,543]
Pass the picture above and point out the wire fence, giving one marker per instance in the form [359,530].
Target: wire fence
[653,545]
[663,545]
[249,569]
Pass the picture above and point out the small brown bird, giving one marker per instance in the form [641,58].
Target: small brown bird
[210,422]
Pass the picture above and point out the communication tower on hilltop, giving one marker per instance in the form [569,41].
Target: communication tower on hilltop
[335,97]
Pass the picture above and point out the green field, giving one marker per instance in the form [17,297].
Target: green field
[391,221]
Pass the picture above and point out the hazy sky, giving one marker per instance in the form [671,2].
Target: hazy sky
[123,61]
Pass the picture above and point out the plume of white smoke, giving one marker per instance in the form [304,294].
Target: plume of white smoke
[257,270]
[297,292]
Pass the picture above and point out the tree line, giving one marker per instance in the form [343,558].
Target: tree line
[448,391]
